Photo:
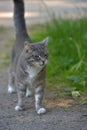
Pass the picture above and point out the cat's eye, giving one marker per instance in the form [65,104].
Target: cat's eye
[37,56]
[46,55]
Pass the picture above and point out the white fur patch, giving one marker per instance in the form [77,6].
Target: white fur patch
[33,71]
[41,111]
[11,89]
[46,62]
[28,93]
[18,108]
[37,97]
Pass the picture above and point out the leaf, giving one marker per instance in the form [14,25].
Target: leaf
[73,78]
[75,94]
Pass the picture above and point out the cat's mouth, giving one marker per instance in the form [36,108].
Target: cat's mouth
[39,63]
[43,63]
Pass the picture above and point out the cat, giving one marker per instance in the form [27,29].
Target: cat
[30,72]
[28,62]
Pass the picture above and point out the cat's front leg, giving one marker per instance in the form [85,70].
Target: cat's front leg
[21,94]
[38,100]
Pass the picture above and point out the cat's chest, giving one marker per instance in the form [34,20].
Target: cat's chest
[32,72]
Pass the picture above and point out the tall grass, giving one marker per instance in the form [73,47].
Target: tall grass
[67,47]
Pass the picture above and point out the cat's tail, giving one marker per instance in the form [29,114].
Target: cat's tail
[19,21]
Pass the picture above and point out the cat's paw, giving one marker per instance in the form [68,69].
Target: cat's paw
[41,111]
[11,89]
[28,93]
[18,108]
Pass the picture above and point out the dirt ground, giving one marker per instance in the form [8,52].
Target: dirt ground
[62,114]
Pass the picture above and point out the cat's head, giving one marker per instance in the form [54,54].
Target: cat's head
[36,54]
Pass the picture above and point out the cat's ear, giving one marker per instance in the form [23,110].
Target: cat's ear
[45,41]
[27,47]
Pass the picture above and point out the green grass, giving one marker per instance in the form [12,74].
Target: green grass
[5,51]
[67,67]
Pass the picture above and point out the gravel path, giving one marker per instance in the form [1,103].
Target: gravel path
[61,115]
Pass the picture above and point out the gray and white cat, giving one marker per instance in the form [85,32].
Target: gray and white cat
[30,72]
[28,62]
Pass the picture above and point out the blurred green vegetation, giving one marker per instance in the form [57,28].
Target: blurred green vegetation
[67,66]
